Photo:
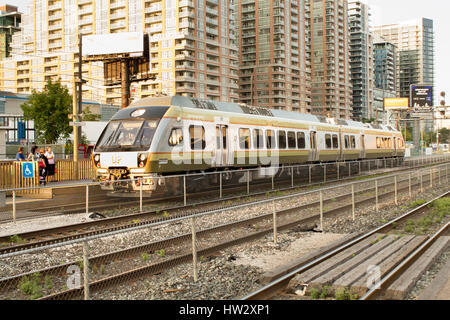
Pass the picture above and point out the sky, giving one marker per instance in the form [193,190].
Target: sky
[393,11]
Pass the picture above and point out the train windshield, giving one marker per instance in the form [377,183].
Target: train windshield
[127,135]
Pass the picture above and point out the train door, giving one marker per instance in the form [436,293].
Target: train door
[222,145]
[363,147]
[314,155]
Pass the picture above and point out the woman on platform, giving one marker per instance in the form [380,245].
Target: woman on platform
[43,165]
[51,164]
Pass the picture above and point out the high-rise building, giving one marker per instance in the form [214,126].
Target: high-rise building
[193,46]
[361,60]
[385,65]
[10,20]
[331,85]
[274,54]
[415,52]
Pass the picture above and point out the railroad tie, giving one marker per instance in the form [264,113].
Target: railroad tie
[389,264]
[340,268]
[310,275]
[361,269]
[400,288]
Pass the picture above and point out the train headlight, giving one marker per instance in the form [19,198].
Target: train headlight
[142,160]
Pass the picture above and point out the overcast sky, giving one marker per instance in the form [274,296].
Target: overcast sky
[392,11]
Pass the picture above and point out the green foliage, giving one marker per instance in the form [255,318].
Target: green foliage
[15,239]
[161,253]
[49,110]
[87,115]
[145,256]
[31,286]
[417,203]
[314,293]
[344,294]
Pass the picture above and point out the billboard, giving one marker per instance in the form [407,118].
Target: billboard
[421,98]
[115,45]
[396,103]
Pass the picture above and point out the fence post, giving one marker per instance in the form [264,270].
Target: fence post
[184,190]
[309,169]
[410,191]
[325,173]
[396,190]
[194,249]
[248,182]
[376,196]
[431,178]
[321,210]
[14,206]
[369,167]
[349,169]
[86,269]
[140,193]
[220,185]
[275,231]
[87,199]
[359,167]
[421,181]
[292,177]
[353,201]
[273,185]
[337,164]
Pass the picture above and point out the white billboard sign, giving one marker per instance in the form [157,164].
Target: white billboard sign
[114,43]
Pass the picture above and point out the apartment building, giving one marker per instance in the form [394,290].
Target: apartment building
[274,53]
[361,60]
[193,47]
[415,52]
[331,84]
[10,20]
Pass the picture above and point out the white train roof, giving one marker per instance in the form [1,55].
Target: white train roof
[187,102]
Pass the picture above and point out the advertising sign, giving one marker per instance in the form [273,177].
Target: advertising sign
[396,103]
[113,44]
[421,98]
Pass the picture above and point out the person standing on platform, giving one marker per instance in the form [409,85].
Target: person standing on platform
[43,165]
[34,154]
[51,164]
[20,156]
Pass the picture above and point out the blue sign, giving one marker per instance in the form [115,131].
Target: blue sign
[27,170]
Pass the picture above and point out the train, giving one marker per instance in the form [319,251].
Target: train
[156,138]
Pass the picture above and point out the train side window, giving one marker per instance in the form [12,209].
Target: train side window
[176,137]
[270,141]
[346,142]
[244,139]
[378,143]
[197,135]
[328,141]
[301,142]
[258,140]
[281,139]
[353,140]
[335,141]
[291,140]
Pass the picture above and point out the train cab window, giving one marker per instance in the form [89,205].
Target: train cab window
[282,139]
[270,139]
[291,140]
[244,139]
[258,139]
[176,137]
[197,135]
[301,142]
[335,142]
[328,141]
[353,142]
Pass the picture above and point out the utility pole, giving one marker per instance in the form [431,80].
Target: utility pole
[77,107]
[125,82]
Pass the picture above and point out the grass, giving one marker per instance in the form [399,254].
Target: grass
[344,294]
[32,285]
[15,239]
[161,253]
[417,203]
[439,209]
[145,256]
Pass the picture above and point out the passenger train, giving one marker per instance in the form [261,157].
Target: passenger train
[155,138]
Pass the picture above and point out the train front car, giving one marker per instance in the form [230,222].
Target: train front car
[121,155]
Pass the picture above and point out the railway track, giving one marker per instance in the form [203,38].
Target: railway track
[98,203]
[45,237]
[379,264]
[180,248]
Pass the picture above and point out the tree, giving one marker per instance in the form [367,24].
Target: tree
[49,110]
[87,115]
